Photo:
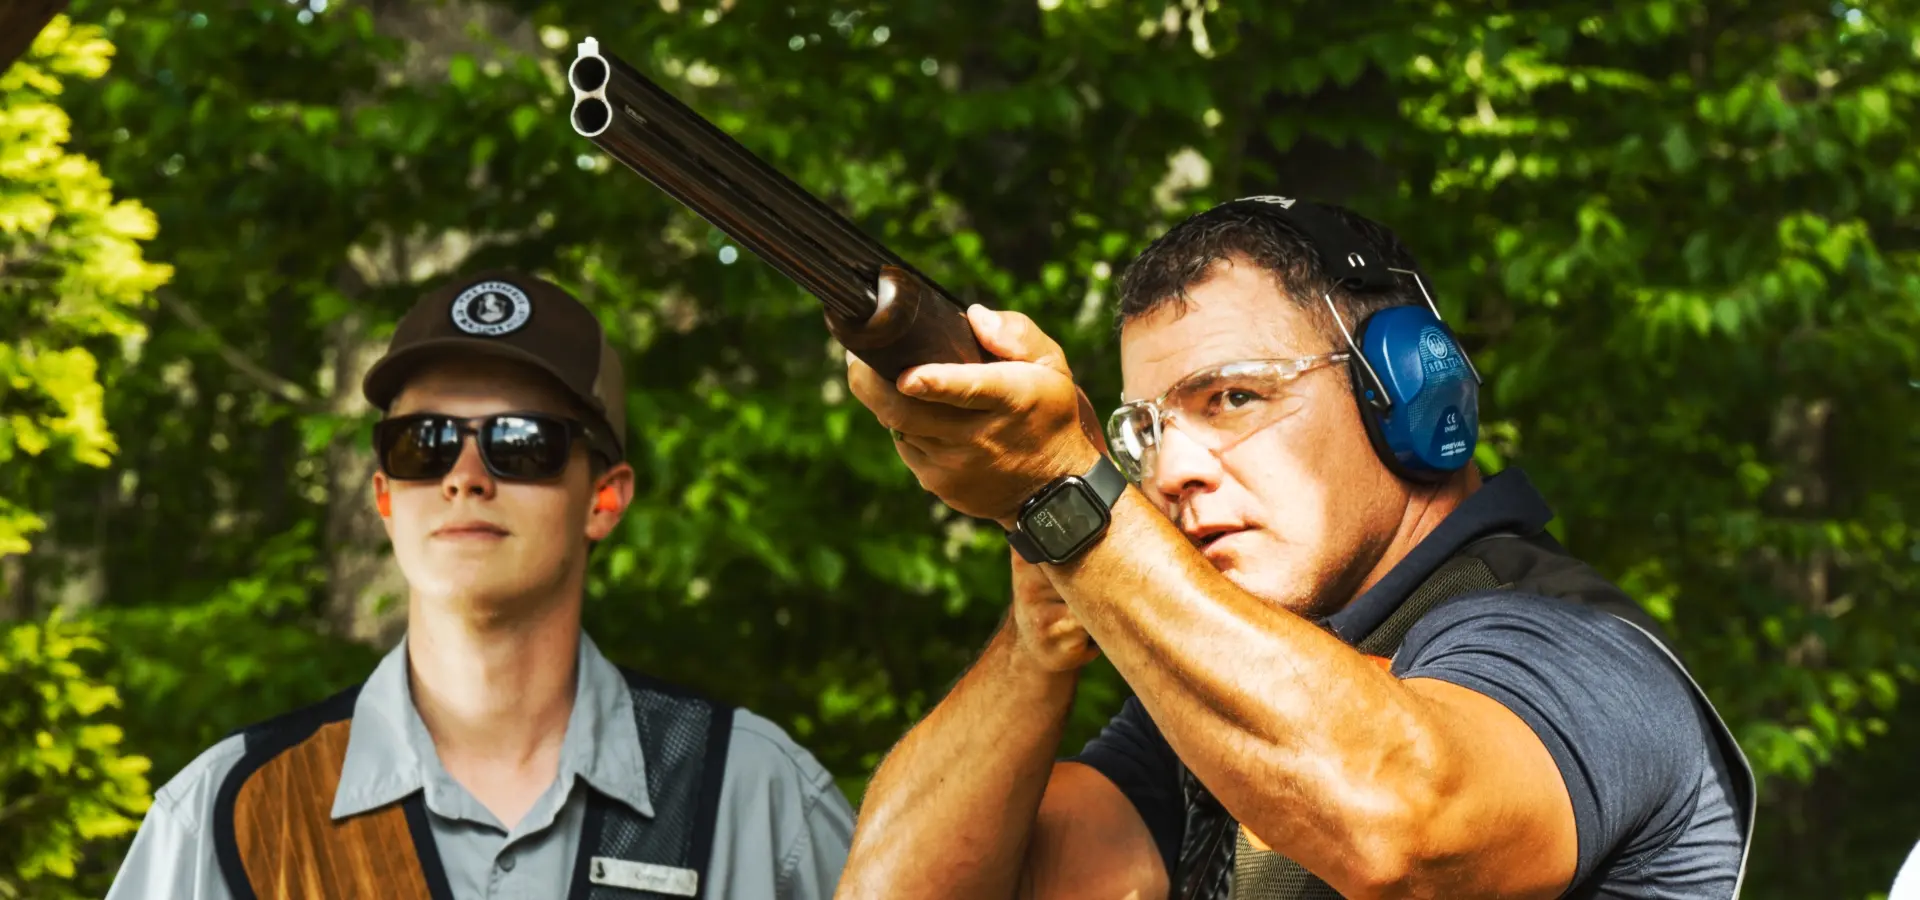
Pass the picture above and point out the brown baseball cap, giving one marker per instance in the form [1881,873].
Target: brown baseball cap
[515,316]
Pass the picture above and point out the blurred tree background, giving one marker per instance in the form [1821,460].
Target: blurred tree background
[1680,236]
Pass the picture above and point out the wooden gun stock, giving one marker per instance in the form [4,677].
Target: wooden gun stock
[892,324]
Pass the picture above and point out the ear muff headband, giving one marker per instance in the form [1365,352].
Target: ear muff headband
[1416,389]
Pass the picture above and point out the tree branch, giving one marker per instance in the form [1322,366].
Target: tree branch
[21,806]
[281,387]
[20,23]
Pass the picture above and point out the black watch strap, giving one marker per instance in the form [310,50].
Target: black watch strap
[1024,546]
[1107,481]
[1108,484]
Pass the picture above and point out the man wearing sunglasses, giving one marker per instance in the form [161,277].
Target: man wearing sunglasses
[1360,669]
[495,752]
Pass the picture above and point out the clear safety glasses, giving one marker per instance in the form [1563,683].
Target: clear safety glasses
[1215,407]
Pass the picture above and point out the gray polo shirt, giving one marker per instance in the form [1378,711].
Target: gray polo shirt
[782,832]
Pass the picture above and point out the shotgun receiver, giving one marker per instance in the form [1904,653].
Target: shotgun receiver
[891,323]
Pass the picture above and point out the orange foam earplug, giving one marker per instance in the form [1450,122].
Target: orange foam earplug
[383,502]
[607,501]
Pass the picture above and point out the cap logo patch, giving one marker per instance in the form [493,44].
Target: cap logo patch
[491,308]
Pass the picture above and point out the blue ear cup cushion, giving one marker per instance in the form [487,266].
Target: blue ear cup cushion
[1435,421]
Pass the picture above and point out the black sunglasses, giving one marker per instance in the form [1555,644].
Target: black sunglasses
[514,446]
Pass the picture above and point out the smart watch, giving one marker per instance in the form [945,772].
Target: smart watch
[1064,518]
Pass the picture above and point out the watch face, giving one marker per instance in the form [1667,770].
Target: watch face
[1064,520]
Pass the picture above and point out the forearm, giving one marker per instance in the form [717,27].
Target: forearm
[950,811]
[1307,742]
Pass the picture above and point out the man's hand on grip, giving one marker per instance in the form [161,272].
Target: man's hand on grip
[1044,629]
[985,437]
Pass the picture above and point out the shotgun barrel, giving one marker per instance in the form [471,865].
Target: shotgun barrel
[878,306]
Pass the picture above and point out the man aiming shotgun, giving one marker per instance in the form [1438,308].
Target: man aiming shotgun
[1361,669]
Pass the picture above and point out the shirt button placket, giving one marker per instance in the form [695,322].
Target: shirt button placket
[497,885]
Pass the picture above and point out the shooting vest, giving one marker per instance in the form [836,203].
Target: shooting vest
[1216,862]
[275,837]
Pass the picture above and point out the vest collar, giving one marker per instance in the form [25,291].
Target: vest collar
[1507,502]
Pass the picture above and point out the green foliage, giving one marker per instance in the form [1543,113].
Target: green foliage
[66,782]
[71,272]
[1677,235]
[252,654]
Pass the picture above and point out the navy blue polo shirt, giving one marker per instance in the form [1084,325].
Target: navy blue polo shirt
[1654,799]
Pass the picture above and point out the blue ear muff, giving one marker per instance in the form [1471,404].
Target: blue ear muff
[1418,392]
[1423,412]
